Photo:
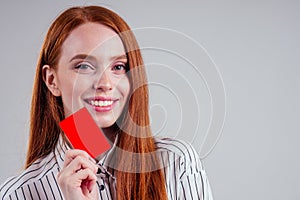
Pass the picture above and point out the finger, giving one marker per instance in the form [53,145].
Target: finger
[73,153]
[86,179]
[79,163]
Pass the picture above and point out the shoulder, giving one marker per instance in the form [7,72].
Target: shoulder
[181,152]
[184,173]
[29,176]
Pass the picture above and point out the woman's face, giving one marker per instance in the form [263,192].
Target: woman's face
[91,73]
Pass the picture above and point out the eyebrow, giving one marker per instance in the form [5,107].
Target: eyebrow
[83,57]
[123,56]
[89,57]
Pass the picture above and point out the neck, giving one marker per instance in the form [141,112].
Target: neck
[111,132]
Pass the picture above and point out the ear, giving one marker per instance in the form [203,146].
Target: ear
[50,79]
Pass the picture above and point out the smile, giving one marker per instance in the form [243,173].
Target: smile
[100,103]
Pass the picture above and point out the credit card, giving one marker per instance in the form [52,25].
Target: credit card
[83,133]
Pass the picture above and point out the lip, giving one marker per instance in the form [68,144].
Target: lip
[101,98]
[104,100]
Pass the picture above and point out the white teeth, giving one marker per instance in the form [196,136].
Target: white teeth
[101,103]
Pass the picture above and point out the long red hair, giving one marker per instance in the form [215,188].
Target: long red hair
[138,182]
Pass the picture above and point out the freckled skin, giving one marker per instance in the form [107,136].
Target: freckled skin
[101,74]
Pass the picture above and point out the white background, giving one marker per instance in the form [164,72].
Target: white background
[256,47]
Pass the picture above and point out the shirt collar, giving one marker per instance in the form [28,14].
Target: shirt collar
[107,159]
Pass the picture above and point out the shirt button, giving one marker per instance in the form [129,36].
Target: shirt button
[101,187]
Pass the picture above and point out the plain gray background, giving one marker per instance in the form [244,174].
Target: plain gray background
[255,45]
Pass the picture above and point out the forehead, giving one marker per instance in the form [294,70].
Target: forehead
[92,38]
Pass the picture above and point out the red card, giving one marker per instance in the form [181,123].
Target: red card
[83,133]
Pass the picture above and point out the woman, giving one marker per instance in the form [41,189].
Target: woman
[90,58]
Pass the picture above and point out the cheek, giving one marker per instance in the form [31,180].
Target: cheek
[72,91]
[66,88]
[73,88]
[124,87]
[67,97]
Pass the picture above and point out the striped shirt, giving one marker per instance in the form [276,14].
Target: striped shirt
[184,175]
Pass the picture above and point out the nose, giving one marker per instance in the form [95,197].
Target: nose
[103,83]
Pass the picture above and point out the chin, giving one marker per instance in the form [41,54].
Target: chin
[104,124]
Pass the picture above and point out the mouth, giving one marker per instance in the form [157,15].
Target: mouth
[101,104]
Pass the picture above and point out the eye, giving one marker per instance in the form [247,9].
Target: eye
[84,68]
[120,68]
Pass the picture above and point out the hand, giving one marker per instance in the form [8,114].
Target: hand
[77,178]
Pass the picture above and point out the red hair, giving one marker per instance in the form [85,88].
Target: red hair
[134,180]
